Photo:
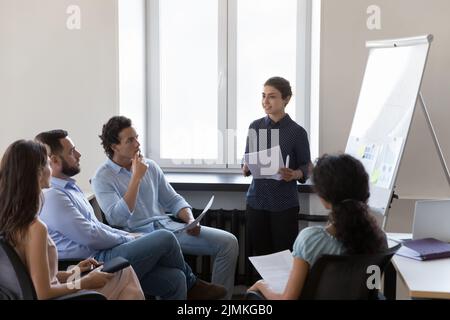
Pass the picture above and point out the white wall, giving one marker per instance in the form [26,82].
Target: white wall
[343,59]
[52,77]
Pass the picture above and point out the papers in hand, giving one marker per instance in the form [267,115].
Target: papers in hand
[265,164]
[194,223]
[274,268]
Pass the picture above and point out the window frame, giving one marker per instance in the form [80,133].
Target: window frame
[227,96]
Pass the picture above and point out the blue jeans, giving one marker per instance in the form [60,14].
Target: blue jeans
[221,245]
[158,262]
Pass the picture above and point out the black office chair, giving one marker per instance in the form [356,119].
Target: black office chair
[341,277]
[16,283]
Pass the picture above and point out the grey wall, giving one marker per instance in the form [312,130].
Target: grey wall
[51,77]
[343,59]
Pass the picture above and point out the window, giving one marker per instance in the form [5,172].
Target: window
[188,90]
[266,38]
[207,62]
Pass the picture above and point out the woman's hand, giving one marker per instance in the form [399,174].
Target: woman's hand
[289,174]
[88,264]
[245,170]
[95,279]
[257,285]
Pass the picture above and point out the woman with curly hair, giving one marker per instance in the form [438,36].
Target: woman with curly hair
[342,185]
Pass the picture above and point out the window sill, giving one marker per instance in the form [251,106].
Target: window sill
[182,181]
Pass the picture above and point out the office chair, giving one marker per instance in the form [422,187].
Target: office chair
[341,277]
[16,283]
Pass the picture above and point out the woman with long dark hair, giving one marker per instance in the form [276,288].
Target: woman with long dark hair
[24,172]
[342,185]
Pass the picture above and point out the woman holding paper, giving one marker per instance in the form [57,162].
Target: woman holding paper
[342,185]
[24,171]
[272,205]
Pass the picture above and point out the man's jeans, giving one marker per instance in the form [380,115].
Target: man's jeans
[221,245]
[158,262]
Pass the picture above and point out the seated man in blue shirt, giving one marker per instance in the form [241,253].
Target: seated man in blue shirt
[134,194]
[72,224]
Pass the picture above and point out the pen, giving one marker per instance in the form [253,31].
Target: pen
[287,161]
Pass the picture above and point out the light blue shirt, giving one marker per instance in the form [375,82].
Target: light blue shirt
[72,223]
[312,242]
[156,196]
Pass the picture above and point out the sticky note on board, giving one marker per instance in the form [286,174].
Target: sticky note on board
[375,176]
[361,151]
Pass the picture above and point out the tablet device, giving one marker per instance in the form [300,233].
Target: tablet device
[115,264]
[111,266]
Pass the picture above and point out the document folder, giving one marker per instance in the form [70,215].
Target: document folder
[424,249]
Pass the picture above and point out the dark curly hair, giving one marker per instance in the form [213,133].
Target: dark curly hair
[110,133]
[281,85]
[342,181]
[20,191]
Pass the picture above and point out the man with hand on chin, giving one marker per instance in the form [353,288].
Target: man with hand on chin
[72,224]
[134,195]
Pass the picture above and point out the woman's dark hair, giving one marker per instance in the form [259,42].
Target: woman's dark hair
[281,85]
[20,192]
[110,133]
[342,181]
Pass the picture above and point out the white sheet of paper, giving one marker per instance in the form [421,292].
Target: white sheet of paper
[199,218]
[265,164]
[274,268]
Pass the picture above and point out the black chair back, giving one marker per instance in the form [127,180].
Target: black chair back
[346,277]
[342,277]
[15,282]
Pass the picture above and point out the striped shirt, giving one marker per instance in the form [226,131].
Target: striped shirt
[274,195]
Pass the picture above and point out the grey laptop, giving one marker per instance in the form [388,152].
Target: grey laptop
[432,220]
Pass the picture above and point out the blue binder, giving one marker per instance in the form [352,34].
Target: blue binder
[424,249]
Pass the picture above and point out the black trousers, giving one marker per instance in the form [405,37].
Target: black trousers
[269,232]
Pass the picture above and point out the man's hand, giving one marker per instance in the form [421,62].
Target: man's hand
[138,170]
[195,231]
[289,174]
[186,216]
[138,166]
[136,235]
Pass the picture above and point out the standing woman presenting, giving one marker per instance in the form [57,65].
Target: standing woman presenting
[272,205]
